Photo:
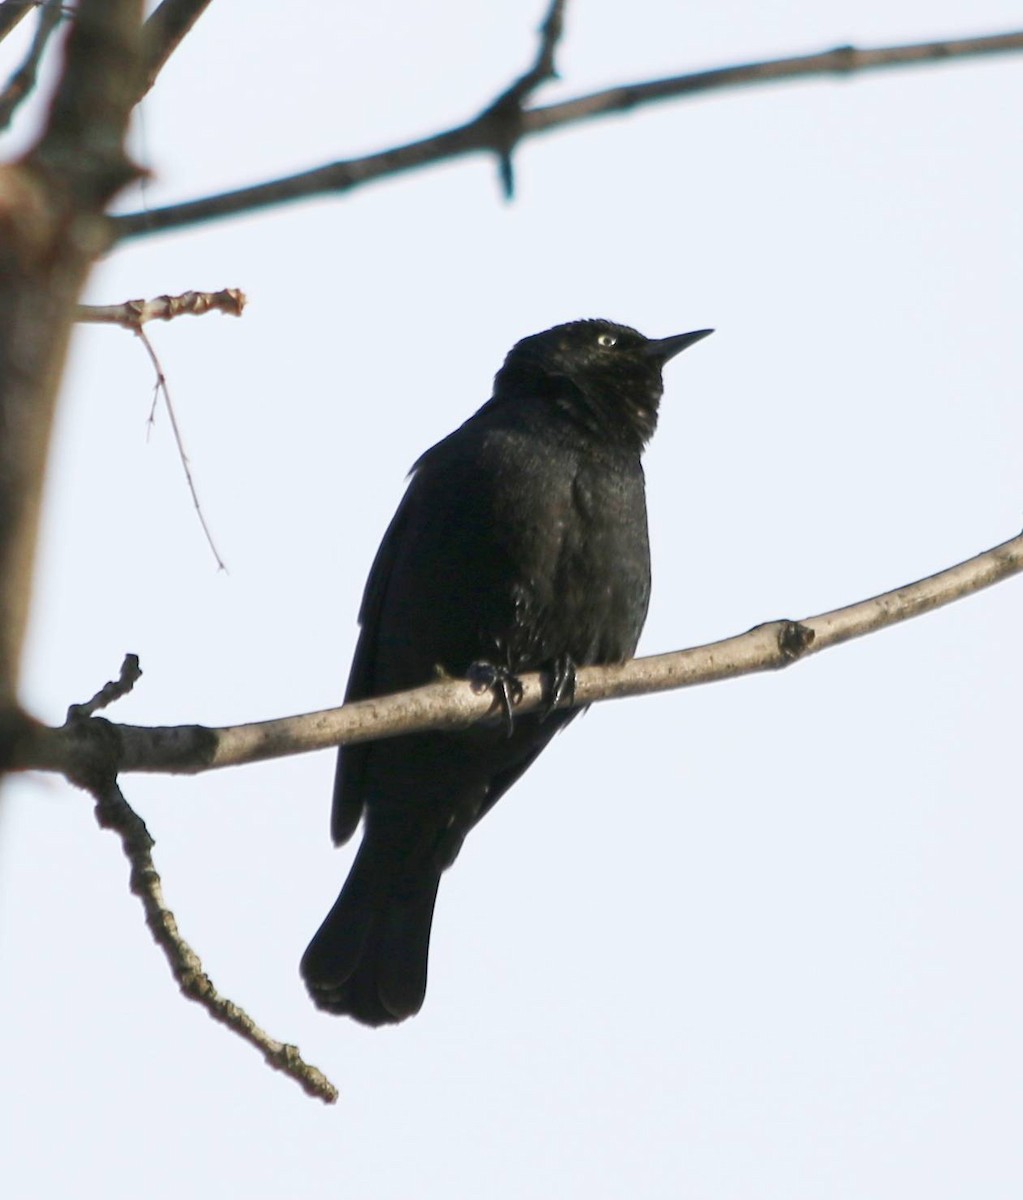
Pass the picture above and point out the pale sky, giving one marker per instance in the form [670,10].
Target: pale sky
[753,940]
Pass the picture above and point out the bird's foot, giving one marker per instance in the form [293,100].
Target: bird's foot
[562,685]
[507,687]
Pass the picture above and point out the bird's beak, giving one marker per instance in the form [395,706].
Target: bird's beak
[662,349]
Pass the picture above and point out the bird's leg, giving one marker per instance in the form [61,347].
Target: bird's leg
[507,687]
[562,688]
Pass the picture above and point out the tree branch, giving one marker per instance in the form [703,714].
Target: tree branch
[189,749]
[164,32]
[113,812]
[133,314]
[489,132]
[21,83]
[93,773]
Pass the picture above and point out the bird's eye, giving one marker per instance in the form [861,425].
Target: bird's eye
[606,339]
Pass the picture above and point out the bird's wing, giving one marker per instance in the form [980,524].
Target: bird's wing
[348,797]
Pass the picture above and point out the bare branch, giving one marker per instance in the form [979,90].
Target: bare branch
[113,812]
[485,134]
[841,60]
[189,749]
[133,314]
[164,32]
[23,80]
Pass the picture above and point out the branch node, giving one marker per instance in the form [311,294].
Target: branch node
[505,115]
[133,314]
[847,59]
[794,639]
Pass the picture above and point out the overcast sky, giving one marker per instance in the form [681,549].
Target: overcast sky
[753,940]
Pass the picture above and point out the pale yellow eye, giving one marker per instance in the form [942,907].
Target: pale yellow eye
[606,339]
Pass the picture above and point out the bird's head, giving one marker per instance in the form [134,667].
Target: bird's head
[604,375]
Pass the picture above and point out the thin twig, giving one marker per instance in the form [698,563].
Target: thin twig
[133,314]
[113,812]
[484,135]
[161,387]
[113,689]
[21,83]
[189,749]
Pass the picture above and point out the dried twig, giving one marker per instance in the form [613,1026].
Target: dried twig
[188,749]
[23,80]
[485,135]
[113,812]
[95,773]
[161,388]
[112,690]
[133,314]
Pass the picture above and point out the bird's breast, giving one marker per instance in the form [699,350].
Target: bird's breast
[578,542]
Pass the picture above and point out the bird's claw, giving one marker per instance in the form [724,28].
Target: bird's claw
[507,687]
[562,688]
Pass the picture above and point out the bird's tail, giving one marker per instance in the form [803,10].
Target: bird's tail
[369,957]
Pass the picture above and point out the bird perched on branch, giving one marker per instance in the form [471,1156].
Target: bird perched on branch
[520,545]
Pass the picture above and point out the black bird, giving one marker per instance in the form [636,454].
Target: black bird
[520,545]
